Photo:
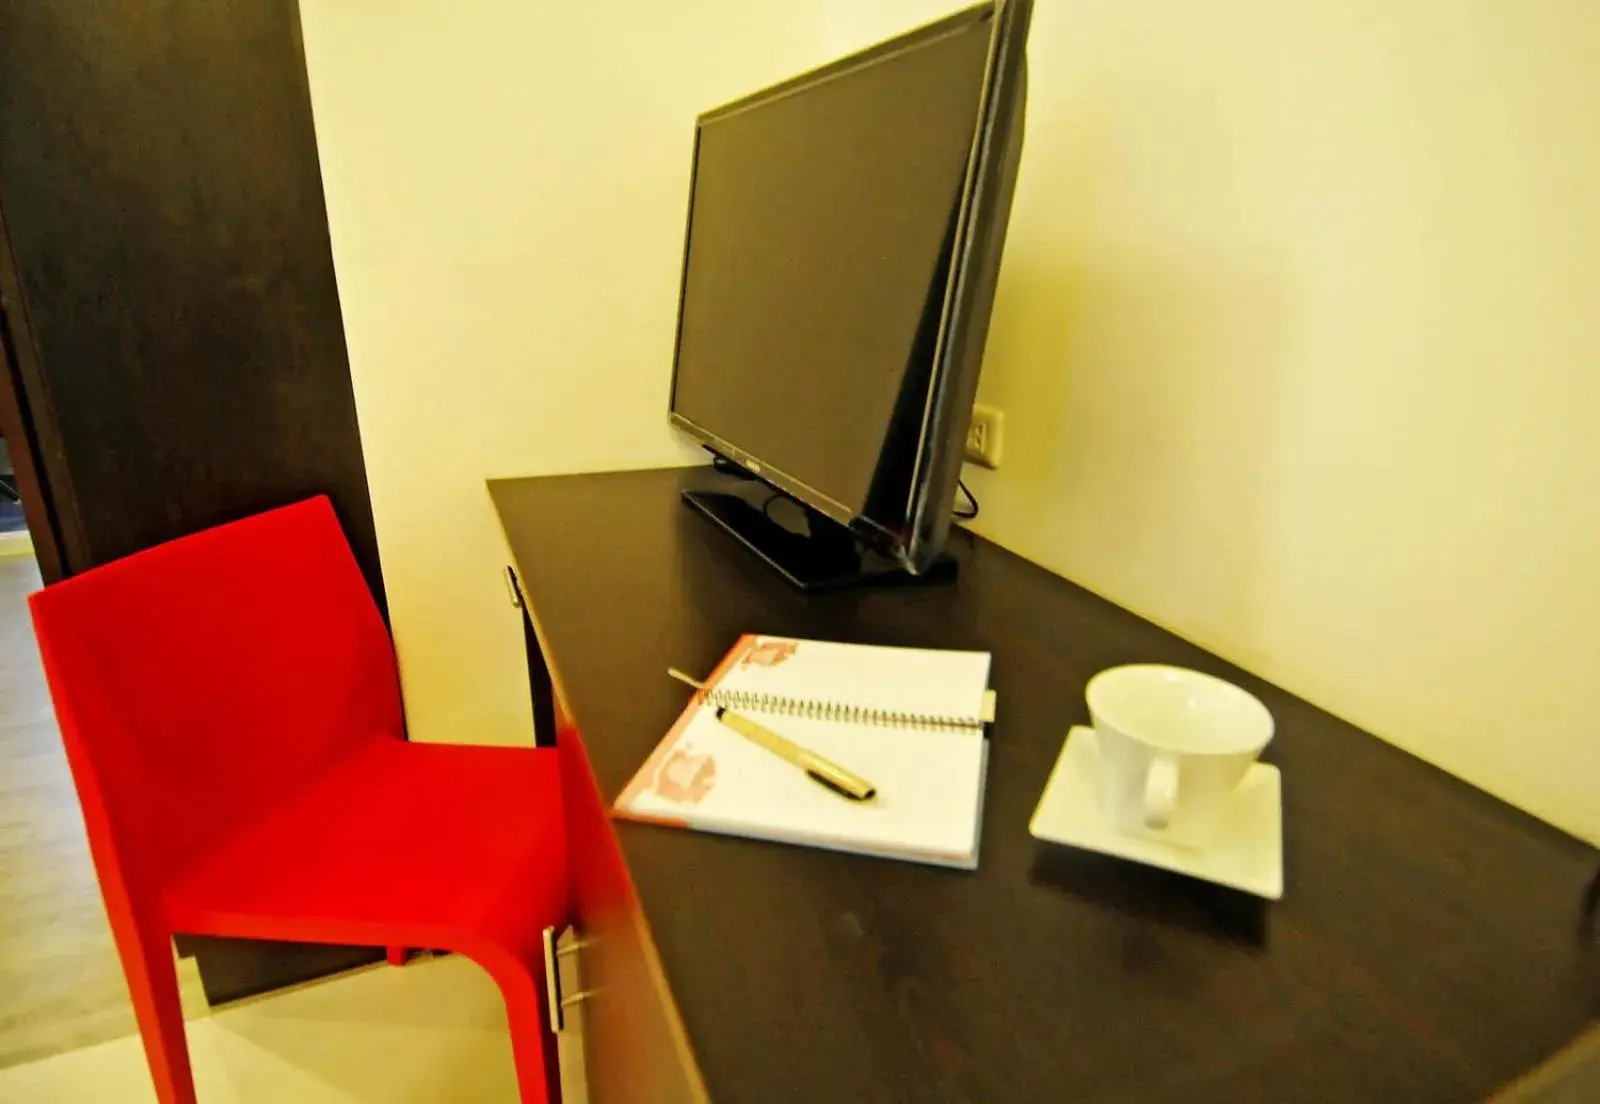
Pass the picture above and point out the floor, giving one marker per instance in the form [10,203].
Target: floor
[432,1031]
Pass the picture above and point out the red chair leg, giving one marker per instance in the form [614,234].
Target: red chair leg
[153,986]
[532,1045]
[396,956]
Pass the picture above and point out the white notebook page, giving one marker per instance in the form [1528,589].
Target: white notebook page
[930,782]
[927,805]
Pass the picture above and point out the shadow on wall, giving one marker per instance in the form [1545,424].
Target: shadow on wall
[1141,345]
[1119,371]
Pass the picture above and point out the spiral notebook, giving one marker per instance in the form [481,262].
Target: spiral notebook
[909,719]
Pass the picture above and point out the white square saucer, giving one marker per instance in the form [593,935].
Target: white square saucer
[1246,853]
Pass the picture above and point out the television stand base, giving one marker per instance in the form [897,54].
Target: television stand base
[824,556]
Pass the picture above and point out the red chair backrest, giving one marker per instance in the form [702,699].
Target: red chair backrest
[205,681]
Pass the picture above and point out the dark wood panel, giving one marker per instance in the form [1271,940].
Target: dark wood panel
[48,519]
[232,969]
[171,288]
[1425,950]
[636,1037]
[159,175]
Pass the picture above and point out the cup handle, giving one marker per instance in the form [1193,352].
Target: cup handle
[1160,792]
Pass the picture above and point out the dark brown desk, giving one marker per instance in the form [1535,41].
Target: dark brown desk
[1425,949]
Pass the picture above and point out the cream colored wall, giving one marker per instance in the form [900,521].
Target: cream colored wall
[1298,339]
[506,186]
[1298,335]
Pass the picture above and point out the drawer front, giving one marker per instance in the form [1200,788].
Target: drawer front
[628,1034]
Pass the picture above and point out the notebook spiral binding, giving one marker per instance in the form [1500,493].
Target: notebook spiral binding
[748,701]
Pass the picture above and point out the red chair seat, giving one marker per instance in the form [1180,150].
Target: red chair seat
[449,837]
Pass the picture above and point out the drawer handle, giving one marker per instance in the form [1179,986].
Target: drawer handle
[556,1001]
[510,577]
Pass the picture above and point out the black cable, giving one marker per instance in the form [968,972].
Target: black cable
[966,515]
[766,506]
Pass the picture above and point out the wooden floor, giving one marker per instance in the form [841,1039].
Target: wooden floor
[60,984]
[432,1032]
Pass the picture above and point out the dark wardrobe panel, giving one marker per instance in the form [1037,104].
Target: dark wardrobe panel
[159,176]
[171,296]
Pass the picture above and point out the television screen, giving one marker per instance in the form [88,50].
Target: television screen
[821,223]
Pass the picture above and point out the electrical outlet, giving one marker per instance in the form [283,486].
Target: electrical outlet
[984,435]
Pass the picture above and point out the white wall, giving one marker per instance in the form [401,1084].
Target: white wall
[507,183]
[1298,335]
[1298,339]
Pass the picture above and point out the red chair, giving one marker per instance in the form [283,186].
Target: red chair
[232,718]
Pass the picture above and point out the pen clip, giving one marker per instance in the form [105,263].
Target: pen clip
[859,791]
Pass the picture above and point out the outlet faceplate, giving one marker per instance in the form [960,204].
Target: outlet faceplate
[984,436]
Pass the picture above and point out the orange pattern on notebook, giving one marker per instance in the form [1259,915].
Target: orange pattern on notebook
[686,777]
[652,766]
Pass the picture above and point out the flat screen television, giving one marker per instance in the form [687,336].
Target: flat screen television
[844,241]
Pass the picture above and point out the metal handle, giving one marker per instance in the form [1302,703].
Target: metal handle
[510,576]
[552,980]
[552,976]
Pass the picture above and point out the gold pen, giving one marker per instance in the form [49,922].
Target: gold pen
[820,770]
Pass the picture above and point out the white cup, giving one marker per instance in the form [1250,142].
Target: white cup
[1174,745]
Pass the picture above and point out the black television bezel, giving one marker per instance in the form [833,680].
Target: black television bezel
[980,234]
